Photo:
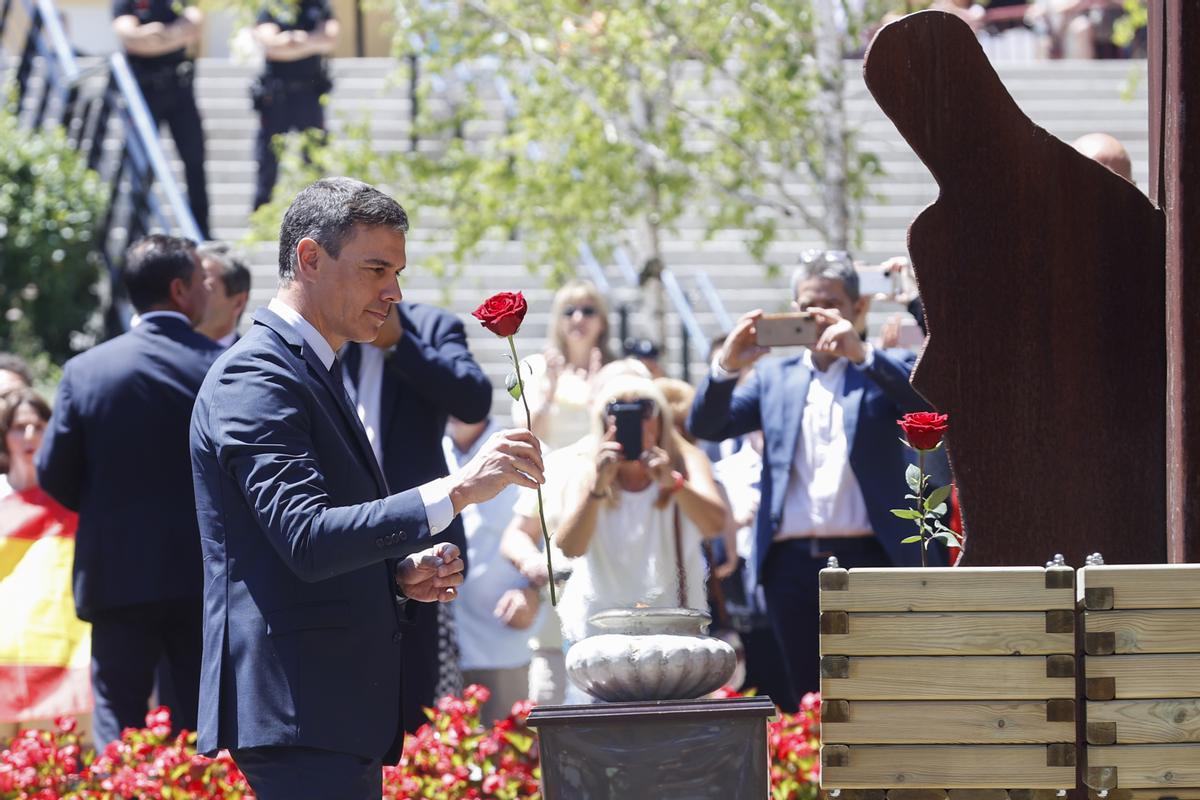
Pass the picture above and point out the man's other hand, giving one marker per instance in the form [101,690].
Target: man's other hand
[741,348]
[506,458]
[431,575]
[839,337]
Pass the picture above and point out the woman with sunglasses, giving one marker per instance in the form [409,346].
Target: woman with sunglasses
[558,383]
[635,525]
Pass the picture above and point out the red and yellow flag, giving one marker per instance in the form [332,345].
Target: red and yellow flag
[44,647]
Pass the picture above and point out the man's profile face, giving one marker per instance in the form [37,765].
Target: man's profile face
[10,381]
[195,299]
[221,312]
[826,293]
[357,289]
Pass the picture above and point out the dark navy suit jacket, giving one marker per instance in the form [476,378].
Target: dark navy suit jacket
[302,631]
[429,375]
[772,400]
[116,451]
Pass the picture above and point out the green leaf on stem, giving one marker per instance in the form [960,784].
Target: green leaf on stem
[949,538]
[939,511]
[937,497]
[911,539]
[906,513]
[912,476]
[513,385]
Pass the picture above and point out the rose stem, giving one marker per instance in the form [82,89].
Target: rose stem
[512,344]
[921,508]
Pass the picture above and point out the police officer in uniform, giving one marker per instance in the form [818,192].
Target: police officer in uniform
[155,35]
[295,36]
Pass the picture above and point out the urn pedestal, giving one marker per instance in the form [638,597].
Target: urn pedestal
[694,749]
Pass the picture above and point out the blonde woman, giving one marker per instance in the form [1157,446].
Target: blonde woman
[634,526]
[558,383]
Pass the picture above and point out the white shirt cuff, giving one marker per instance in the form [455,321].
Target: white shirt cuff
[719,373]
[439,511]
[868,359]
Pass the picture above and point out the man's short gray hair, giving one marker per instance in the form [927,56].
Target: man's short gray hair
[235,272]
[836,265]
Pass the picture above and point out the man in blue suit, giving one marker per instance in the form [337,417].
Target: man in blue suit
[404,385]
[116,451]
[833,463]
[310,563]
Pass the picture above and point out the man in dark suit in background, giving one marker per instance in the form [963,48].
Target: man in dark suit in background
[229,276]
[311,564]
[116,451]
[832,464]
[404,385]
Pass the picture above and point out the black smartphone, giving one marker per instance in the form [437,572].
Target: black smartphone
[628,417]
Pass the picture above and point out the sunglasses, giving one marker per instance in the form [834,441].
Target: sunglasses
[586,311]
[648,407]
[810,257]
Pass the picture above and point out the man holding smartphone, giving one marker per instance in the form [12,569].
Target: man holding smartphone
[833,463]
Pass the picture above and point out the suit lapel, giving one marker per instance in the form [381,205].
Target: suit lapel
[337,393]
[795,396]
[853,387]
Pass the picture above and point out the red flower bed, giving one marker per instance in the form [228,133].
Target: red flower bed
[454,757]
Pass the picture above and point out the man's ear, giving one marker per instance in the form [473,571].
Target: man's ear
[239,305]
[178,291]
[861,306]
[308,257]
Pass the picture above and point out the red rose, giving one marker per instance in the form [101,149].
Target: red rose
[924,429]
[502,313]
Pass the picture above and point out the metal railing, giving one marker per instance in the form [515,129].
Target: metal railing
[104,114]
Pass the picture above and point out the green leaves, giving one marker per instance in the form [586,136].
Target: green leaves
[912,476]
[49,205]
[936,498]
[906,513]
[513,385]
[911,539]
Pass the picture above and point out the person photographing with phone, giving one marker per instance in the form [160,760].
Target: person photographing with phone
[634,515]
[833,463]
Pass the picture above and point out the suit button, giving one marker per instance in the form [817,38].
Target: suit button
[379,542]
[403,536]
[397,637]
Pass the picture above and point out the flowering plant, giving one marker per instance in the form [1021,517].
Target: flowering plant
[923,432]
[453,757]
[502,314]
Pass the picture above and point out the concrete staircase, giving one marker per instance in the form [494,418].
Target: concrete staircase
[1067,98]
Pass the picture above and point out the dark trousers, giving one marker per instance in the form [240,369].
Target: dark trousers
[790,584]
[303,773]
[283,112]
[127,645]
[174,102]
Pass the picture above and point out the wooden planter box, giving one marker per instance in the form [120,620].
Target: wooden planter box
[1142,680]
[948,679]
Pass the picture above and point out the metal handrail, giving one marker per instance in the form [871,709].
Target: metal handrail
[594,270]
[715,304]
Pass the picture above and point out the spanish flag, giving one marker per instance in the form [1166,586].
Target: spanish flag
[44,648]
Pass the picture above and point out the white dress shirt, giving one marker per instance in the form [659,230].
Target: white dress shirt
[439,511]
[823,497]
[138,319]
[367,395]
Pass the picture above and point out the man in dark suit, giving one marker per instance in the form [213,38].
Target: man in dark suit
[311,565]
[230,279]
[404,385]
[116,451]
[833,464]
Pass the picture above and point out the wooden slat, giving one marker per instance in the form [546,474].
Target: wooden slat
[948,589]
[1173,793]
[1145,585]
[941,722]
[1175,630]
[948,767]
[947,678]
[971,633]
[1147,766]
[1148,677]
[1150,721]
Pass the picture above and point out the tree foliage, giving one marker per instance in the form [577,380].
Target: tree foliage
[50,203]
[613,123]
